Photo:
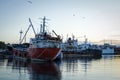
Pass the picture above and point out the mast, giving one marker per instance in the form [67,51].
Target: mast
[44,24]
[20,35]
[41,28]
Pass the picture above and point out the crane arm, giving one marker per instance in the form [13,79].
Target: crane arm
[31,25]
[54,33]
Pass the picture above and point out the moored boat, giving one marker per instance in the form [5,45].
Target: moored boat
[71,48]
[108,49]
[44,46]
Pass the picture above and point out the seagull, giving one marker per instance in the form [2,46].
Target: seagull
[83,17]
[73,14]
[29,2]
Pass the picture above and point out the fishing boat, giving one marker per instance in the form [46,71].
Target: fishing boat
[43,47]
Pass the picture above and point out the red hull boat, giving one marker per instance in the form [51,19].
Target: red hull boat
[44,45]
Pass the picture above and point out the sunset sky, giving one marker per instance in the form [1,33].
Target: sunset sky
[97,19]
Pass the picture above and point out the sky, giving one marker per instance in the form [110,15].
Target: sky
[97,19]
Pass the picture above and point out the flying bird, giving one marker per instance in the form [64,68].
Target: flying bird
[29,2]
[83,17]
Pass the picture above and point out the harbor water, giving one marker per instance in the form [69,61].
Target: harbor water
[105,68]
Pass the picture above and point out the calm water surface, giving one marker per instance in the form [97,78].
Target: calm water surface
[106,68]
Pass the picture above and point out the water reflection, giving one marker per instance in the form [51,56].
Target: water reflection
[70,64]
[84,68]
[44,71]
[75,64]
[30,71]
[39,71]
